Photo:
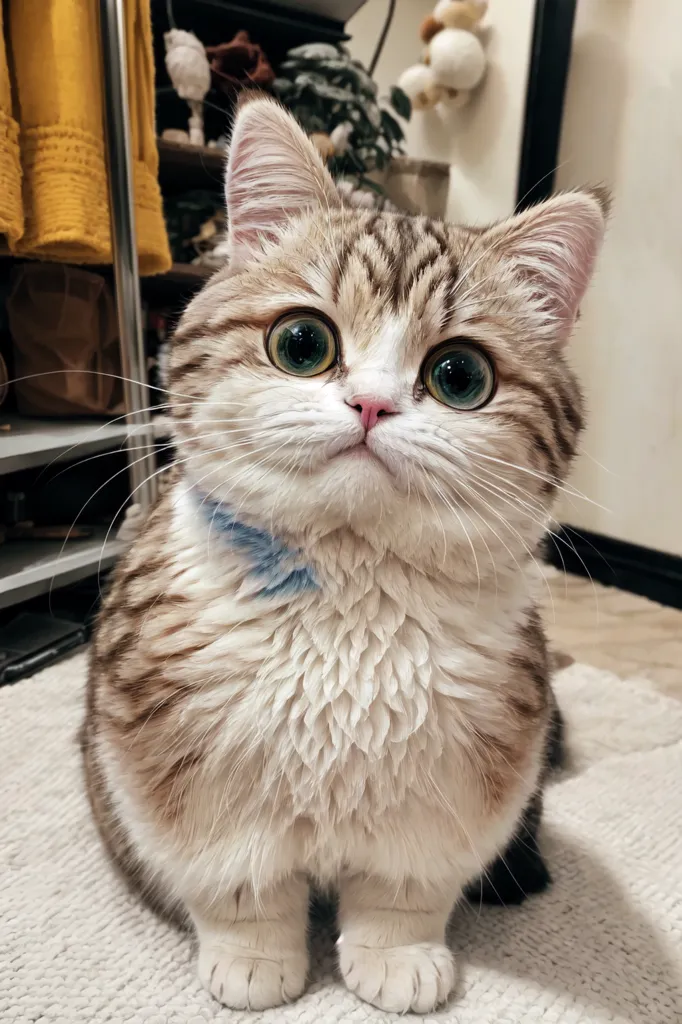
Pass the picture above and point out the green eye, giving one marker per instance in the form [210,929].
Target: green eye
[459,375]
[304,345]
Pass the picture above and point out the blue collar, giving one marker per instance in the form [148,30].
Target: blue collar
[271,561]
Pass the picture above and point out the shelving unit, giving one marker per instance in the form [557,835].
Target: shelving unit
[33,567]
[185,273]
[30,442]
[192,166]
[30,568]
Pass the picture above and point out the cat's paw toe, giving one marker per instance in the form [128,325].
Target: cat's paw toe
[399,978]
[245,979]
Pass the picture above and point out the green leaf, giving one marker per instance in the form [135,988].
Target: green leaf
[373,186]
[314,51]
[391,128]
[400,102]
[356,160]
[380,158]
[318,85]
[283,87]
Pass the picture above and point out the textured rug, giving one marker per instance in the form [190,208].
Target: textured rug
[604,944]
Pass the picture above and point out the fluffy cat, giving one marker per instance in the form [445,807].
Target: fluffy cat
[321,662]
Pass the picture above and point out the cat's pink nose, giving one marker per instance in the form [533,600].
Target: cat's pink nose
[371,408]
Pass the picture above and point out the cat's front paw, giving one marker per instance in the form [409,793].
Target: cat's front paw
[245,979]
[399,978]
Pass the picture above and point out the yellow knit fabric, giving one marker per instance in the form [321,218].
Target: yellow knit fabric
[11,208]
[57,67]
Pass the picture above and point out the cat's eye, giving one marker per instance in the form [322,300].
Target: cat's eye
[302,344]
[459,375]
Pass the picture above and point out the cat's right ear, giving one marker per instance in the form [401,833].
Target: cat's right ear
[273,174]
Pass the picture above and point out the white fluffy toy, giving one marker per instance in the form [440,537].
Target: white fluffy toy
[454,61]
[190,73]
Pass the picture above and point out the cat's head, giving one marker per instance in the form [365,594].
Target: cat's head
[394,374]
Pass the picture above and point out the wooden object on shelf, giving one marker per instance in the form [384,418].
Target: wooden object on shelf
[416,186]
[183,167]
[29,531]
[187,273]
[177,286]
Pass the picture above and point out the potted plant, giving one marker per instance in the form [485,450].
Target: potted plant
[337,102]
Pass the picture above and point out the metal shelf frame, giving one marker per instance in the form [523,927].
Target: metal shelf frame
[124,248]
[31,568]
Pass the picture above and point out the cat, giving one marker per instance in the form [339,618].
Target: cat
[321,662]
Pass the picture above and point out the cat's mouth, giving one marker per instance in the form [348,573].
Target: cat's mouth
[361,452]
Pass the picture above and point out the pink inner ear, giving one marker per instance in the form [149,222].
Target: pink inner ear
[252,212]
[556,246]
[273,174]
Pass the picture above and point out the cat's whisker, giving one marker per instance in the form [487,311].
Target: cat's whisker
[528,510]
[530,472]
[466,534]
[150,476]
[505,522]
[611,472]
[480,534]
[232,463]
[498,479]
[159,448]
[440,522]
[524,543]
[544,524]
[97,430]
[472,266]
[527,500]
[447,805]
[163,391]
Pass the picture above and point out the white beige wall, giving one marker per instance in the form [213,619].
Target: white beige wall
[481,141]
[623,126]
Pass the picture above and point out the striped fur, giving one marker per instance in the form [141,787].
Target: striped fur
[313,667]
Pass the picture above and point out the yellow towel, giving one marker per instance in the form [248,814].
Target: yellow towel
[57,67]
[11,209]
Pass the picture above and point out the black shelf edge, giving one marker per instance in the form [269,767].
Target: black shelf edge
[282,17]
[618,563]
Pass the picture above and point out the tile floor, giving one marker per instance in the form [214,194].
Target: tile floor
[613,629]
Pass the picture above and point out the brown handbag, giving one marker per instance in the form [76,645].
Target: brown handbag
[65,336]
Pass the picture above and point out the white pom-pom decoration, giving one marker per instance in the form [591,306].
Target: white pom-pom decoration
[190,73]
[419,84]
[187,64]
[457,59]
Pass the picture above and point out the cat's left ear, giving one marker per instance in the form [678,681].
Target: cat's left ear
[274,173]
[554,246]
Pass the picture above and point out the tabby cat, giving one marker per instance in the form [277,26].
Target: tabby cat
[321,662]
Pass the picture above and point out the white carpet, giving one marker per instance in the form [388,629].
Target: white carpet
[604,944]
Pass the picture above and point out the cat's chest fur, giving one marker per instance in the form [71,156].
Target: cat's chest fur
[346,694]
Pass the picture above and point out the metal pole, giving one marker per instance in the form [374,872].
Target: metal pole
[124,249]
